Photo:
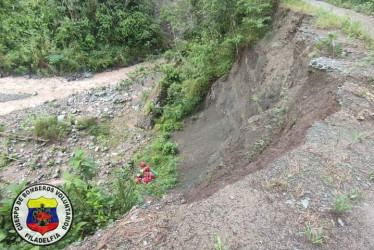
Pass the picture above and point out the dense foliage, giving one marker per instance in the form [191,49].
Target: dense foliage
[208,36]
[52,36]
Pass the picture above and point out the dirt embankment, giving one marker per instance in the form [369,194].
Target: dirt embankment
[263,108]
[274,146]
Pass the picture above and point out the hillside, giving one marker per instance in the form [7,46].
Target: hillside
[256,117]
[279,155]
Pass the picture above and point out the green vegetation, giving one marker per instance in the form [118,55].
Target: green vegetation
[160,155]
[82,165]
[95,205]
[341,205]
[314,234]
[64,36]
[371,176]
[9,239]
[50,128]
[327,20]
[93,127]
[329,47]
[5,159]
[85,123]
[58,37]
[213,34]
[364,6]
[218,245]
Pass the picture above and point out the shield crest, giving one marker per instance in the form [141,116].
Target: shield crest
[42,215]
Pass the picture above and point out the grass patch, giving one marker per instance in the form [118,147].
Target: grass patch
[327,20]
[93,127]
[329,47]
[341,205]
[161,156]
[299,6]
[314,234]
[6,159]
[86,123]
[50,128]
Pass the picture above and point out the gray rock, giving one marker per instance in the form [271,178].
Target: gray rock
[341,223]
[305,202]
[60,118]
[40,176]
[325,64]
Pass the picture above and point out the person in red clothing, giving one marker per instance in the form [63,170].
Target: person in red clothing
[138,178]
[146,174]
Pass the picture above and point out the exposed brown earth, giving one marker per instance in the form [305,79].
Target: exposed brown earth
[310,136]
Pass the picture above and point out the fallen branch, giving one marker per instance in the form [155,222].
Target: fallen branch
[23,138]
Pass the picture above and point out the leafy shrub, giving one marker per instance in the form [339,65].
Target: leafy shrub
[8,235]
[170,148]
[82,165]
[93,127]
[329,46]
[5,159]
[314,234]
[85,123]
[99,130]
[50,128]
[341,205]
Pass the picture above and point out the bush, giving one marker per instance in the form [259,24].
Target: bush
[92,126]
[50,128]
[85,123]
[170,148]
[329,46]
[341,205]
[8,236]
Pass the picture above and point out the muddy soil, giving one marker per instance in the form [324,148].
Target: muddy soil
[305,135]
[47,89]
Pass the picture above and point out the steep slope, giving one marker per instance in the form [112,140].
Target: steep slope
[268,101]
[304,130]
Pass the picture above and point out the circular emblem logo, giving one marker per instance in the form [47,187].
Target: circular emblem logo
[42,214]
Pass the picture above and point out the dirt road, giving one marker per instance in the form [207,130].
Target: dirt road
[367,21]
